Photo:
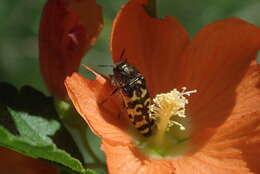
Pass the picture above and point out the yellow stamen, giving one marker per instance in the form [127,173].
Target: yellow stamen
[165,107]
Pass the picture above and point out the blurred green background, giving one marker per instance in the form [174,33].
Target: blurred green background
[20,20]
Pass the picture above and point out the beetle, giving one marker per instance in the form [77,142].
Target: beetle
[137,100]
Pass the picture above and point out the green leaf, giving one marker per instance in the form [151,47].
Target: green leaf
[29,124]
[34,140]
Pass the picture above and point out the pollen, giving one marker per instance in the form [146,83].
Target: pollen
[167,108]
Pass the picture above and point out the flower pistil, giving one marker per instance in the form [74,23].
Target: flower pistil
[169,112]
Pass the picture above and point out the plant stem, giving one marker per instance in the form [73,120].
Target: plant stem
[76,126]
[151,8]
[89,149]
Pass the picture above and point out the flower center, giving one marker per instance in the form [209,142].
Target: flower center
[172,124]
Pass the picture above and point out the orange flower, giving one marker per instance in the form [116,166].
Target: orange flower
[219,62]
[68,28]
[15,163]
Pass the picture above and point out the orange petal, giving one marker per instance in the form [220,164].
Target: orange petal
[153,45]
[243,134]
[104,120]
[215,63]
[15,163]
[248,92]
[68,28]
[125,159]
[204,164]
[234,149]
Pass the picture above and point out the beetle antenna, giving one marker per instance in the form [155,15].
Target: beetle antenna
[112,66]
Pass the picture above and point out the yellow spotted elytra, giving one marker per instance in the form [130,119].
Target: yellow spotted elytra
[132,86]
